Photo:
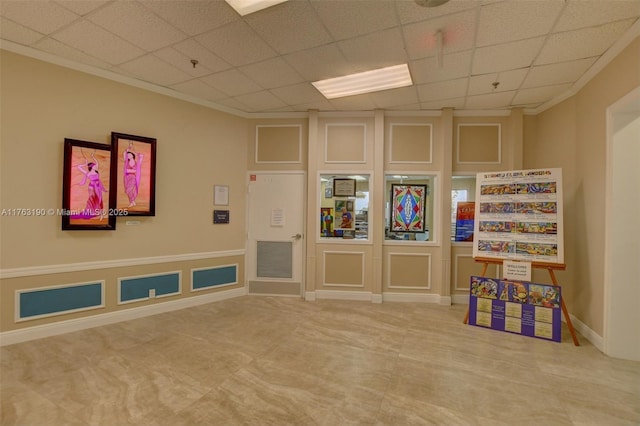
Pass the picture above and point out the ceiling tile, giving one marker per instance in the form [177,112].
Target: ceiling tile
[395,97]
[377,50]
[90,38]
[508,80]
[354,103]
[272,73]
[154,70]
[193,17]
[194,50]
[298,94]
[443,90]
[564,72]
[231,82]
[17,33]
[237,44]
[134,23]
[539,94]
[232,103]
[261,101]
[585,13]
[490,101]
[182,62]
[320,105]
[455,65]
[348,19]
[582,43]
[81,7]
[199,89]
[511,21]
[289,27]
[320,62]
[508,56]
[409,11]
[457,103]
[458,32]
[57,48]
[43,17]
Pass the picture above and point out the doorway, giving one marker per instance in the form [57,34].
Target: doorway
[275,238]
[622,248]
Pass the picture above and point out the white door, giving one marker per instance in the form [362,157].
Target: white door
[275,239]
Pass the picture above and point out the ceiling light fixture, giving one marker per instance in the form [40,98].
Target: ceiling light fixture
[245,7]
[365,82]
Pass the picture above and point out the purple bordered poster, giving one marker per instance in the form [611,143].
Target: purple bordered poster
[516,307]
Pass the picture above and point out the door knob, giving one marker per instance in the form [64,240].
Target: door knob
[297,236]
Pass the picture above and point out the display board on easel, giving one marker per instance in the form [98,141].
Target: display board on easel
[518,216]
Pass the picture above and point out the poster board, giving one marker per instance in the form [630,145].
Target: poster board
[519,216]
[518,307]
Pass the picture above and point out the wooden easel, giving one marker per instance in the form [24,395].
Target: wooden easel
[540,265]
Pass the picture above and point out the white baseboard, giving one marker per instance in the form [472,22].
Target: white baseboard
[376,298]
[344,295]
[53,329]
[411,297]
[310,296]
[445,301]
[593,337]
[460,299]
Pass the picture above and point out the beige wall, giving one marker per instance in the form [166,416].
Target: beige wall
[196,148]
[572,135]
[42,104]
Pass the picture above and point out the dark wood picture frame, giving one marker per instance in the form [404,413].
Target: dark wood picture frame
[133,164]
[344,187]
[87,201]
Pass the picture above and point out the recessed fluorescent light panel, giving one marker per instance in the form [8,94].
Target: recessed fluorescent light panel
[245,7]
[365,82]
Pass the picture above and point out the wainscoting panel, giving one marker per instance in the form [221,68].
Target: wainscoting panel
[44,302]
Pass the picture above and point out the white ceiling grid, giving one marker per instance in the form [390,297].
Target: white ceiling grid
[265,62]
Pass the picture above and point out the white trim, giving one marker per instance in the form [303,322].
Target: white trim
[158,274]
[298,161]
[390,254]
[17,314]
[106,264]
[413,113]
[47,330]
[310,296]
[460,299]
[445,301]
[593,337]
[109,75]
[411,297]
[343,114]
[324,268]
[598,66]
[344,295]
[376,298]
[484,125]
[391,125]
[208,268]
[482,113]
[364,143]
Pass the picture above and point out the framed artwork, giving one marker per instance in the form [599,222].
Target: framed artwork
[344,187]
[326,222]
[408,208]
[134,165]
[87,200]
[344,218]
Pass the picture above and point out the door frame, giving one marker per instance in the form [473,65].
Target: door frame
[303,255]
[628,105]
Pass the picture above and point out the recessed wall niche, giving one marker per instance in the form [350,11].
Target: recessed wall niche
[478,143]
[279,144]
[410,143]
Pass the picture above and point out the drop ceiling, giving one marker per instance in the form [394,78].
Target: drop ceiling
[494,55]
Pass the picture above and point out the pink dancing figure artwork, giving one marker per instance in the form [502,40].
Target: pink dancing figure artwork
[95,204]
[132,173]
